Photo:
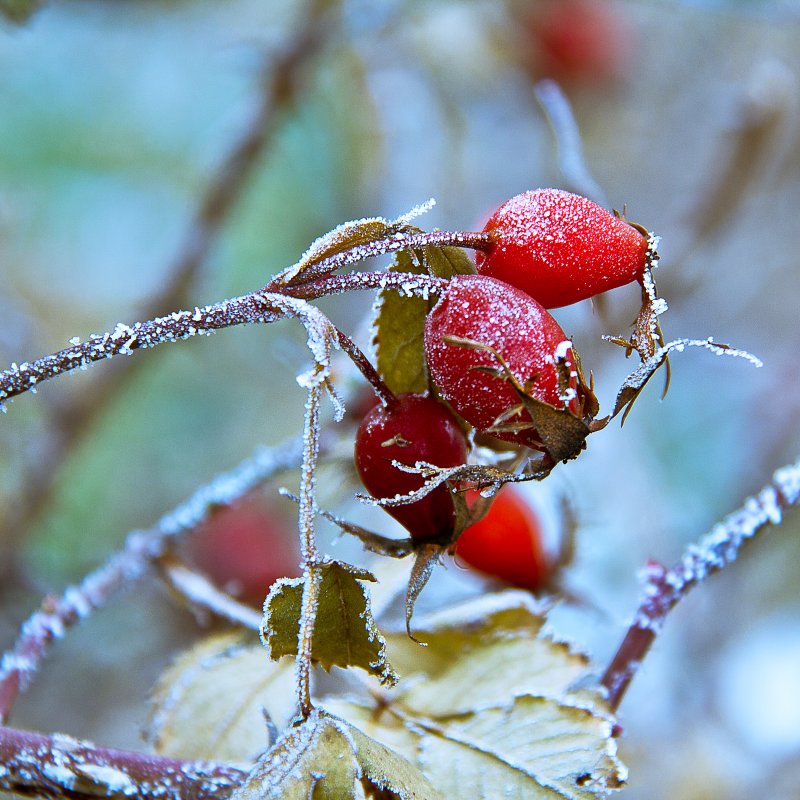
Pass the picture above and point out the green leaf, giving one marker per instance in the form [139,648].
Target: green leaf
[445,262]
[19,11]
[400,321]
[345,633]
[326,758]
[399,327]
[211,703]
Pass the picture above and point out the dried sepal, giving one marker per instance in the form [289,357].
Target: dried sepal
[425,559]
[562,434]
[637,380]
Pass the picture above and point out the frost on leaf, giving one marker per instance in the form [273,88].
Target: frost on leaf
[211,703]
[325,758]
[345,634]
[344,237]
[491,704]
[400,321]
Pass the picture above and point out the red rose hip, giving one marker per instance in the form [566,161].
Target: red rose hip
[414,428]
[493,314]
[561,248]
[507,543]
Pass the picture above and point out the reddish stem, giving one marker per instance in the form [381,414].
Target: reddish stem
[384,393]
[34,765]
[665,588]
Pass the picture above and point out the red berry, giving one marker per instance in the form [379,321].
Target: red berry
[561,248]
[245,548]
[576,41]
[518,328]
[507,543]
[415,428]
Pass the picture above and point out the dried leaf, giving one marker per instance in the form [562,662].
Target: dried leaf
[533,748]
[345,633]
[491,704]
[313,760]
[344,237]
[326,758]
[483,652]
[210,703]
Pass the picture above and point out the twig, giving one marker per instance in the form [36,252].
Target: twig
[312,576]
[280,84]
[47,625]
[200,593]
[256,307]
[58,766]
[665,588]
[568,140]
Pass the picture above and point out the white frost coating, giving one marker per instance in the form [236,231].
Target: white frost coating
[787,480]
[417,211]
[562,350]
[114,780]
[719,547]
[59,775]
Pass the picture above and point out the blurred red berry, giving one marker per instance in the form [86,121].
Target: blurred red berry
[575,41]
[245,548]
[507,542]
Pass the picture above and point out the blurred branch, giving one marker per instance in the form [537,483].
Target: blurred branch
[664,588]
[765,110]
[58,766]
[571,162]
[200,593]
[141,549]
[281,84]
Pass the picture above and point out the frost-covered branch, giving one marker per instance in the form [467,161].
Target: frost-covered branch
[56,615]
[255,307]
[58,766]
[664,588]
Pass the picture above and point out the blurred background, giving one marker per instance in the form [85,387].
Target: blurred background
[157,155]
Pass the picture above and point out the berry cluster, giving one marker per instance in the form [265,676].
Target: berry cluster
[497,358]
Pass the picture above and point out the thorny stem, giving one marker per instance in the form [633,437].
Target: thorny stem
[281,83]
[34,765]
[664,588]
[308,548]
[384,393]
[141,549]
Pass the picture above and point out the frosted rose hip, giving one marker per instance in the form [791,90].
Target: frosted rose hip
[508,320]
[416,428]
[561,248]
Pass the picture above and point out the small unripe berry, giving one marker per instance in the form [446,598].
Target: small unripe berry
[414,428]
[491,313]
[561,248]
